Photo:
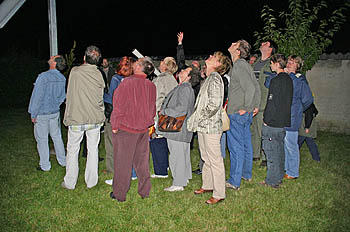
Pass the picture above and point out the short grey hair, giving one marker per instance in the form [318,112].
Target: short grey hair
[92,55]
[60,63]
[147,65]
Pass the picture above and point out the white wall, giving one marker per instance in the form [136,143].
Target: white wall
[330,82]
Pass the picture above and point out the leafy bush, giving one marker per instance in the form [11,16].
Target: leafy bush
[70,58]
[306,30]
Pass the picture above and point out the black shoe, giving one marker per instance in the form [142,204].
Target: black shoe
[198,172]
[263,163]
[113,197]
[256,159]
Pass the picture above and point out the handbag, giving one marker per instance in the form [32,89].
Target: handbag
[170,124]
[225,120]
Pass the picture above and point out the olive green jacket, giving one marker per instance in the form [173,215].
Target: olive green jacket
[263,90]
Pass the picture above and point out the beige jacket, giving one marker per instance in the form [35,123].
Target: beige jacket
[164,83]
[206,117]
[84,102]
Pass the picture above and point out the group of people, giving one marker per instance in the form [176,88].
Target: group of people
[264,100]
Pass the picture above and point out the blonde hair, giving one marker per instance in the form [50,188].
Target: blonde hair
[170,64]
[224,61]
[297,60]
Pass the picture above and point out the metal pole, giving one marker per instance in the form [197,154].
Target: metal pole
[7,9]
[52,27]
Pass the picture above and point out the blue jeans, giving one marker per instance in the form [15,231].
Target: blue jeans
[240,147]
[310,142]
[160,154]
[223,144]
[45,125]
[133,173]
[291,149]
[273,145]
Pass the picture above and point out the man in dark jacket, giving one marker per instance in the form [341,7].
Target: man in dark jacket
[302,99]
[277,116]
[262,65]
[108,72]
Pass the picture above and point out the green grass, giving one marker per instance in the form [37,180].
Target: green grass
[35,201]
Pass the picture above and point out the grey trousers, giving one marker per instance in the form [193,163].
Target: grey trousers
[273,145]
[179,162]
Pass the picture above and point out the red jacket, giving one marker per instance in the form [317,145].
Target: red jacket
[134,105]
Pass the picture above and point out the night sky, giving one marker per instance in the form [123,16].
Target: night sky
[151,26]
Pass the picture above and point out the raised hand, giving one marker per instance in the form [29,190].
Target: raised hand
[180,37]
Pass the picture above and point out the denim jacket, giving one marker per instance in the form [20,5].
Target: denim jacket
[115,81]
[48,93]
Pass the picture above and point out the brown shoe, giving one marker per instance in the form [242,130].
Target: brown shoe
[200,191]
[286,176]
[213,200]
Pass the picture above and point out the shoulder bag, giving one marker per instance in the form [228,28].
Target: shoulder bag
[225,120]
[170,124]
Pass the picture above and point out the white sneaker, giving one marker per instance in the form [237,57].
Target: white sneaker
[228,185]
[64,186]
[109,182]
[174,188]
[159,176]
[134,178]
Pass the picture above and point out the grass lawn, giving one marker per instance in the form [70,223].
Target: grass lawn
[34,201]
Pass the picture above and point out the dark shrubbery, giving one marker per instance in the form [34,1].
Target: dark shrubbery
[18,72]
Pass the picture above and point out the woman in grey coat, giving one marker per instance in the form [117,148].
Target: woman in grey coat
[179,102]
[164,83]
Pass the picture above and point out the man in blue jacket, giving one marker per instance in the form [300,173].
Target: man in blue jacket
[302,99]
[44,108]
